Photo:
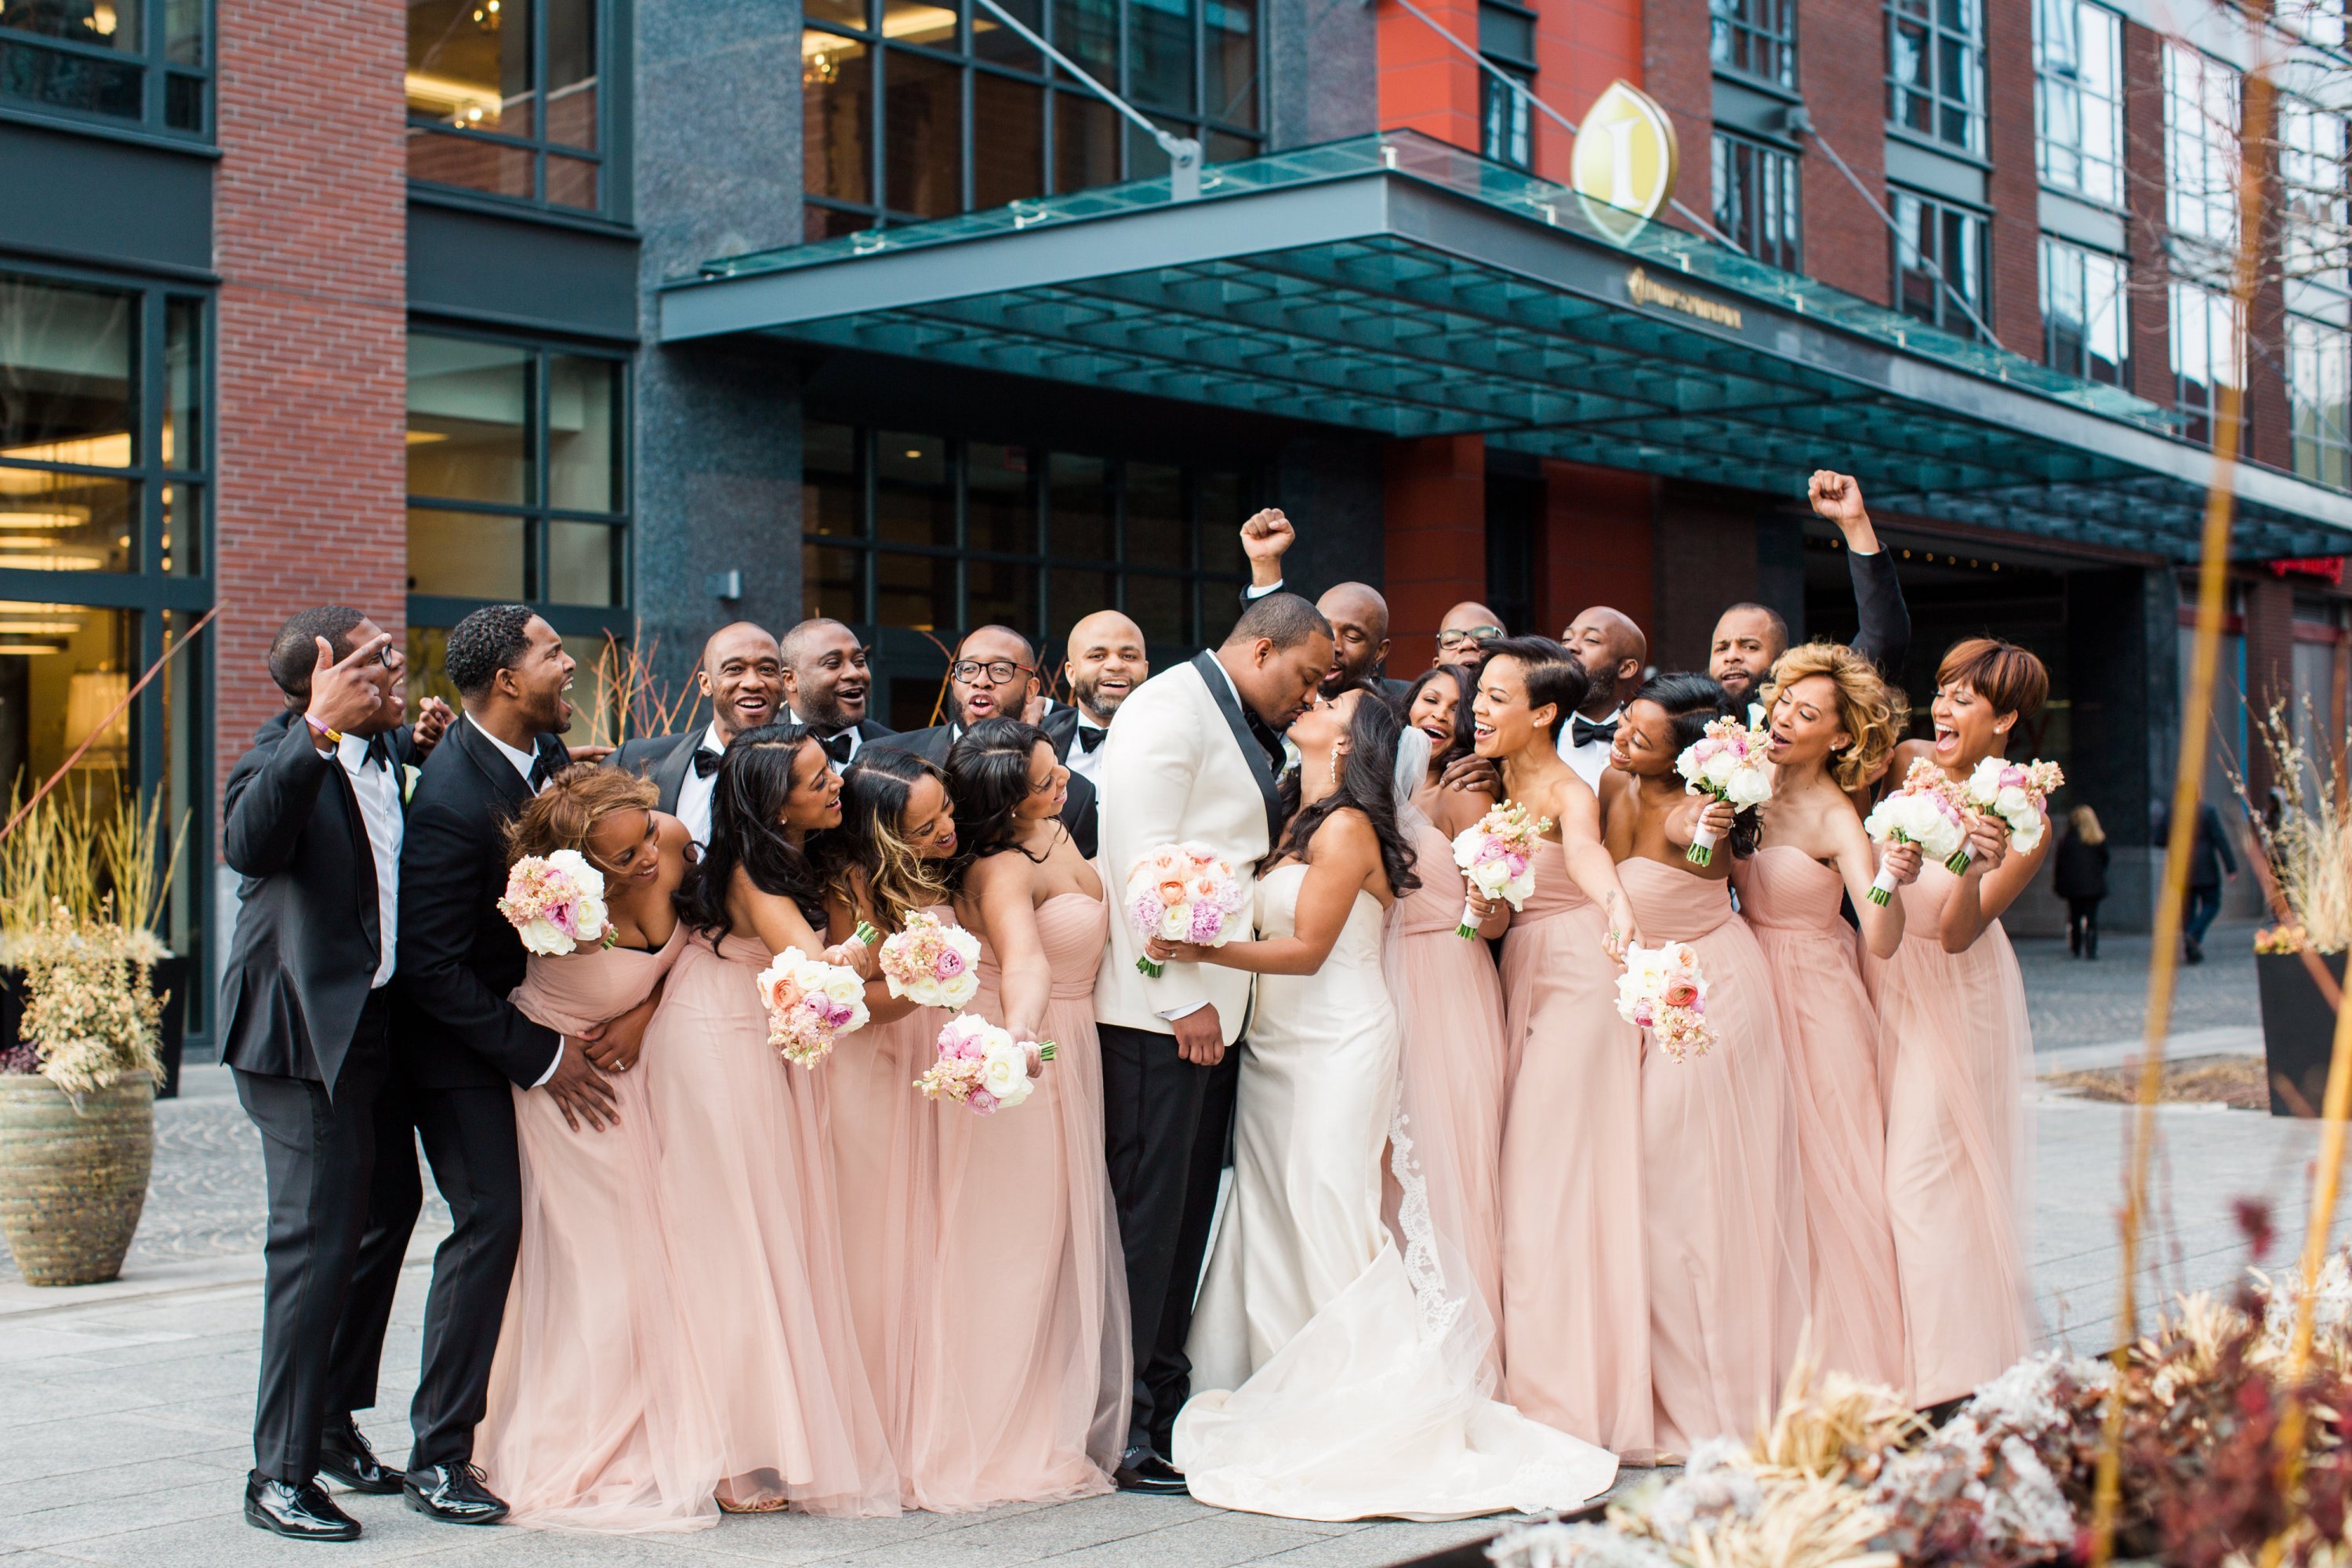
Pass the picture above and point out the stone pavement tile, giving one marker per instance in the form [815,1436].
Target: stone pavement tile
[41,1494]
[799,1537]
[1378,1546]
[224,1538]
[1210,1540]
[138,1497]
[27,1402]
[97,1443]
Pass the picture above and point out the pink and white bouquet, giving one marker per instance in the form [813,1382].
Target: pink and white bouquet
[1925,810]
[931,961]
[810,1004]
[556,903]
[1662,991]
[1497,854]
[1730,763]
[1182,892]
[2013,792]
[982,1067]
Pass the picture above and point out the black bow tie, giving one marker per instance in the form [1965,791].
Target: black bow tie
[1090,738]
[705,761]
[379,752]
[546,759]
[1583,732]
[838,747]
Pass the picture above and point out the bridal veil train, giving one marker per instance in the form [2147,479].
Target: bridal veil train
[1343,1370]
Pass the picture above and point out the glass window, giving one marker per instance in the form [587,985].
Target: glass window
[2319,399]
[504,98]
[1756,200]
[2312,187]
[2200,160]
[1506,131]
[99,58]
[2085,313]
[927,110]
[2206,353]
[1952,239]
[1755,38]
[1935,70]
[2078,100]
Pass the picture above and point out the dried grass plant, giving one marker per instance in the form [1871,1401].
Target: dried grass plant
[2310,847]
[631,699]
[90,1007]
[1832,1426]
[70,851]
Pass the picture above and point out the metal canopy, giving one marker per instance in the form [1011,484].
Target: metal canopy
[1396,285]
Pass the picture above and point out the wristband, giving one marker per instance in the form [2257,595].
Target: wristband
[333,737]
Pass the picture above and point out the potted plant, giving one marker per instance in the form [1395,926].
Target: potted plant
[78,1098]
[2304,828]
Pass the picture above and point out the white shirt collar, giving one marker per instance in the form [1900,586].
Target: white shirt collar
[711,740]
[522,761]
[1219,666]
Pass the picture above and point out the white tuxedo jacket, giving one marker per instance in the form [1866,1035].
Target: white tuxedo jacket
[1178,765]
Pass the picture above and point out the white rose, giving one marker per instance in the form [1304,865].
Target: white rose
[2026,838]
[1720,768]
[2012,802]
[542,937]
[842,985]
[1750,786]
[591,916]
[1176,922]
[1004,1071]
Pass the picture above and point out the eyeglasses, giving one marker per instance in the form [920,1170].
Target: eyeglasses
[1450,641]
[1001,671]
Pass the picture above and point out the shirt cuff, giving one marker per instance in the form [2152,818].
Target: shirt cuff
[1172,1014]
[1257,593]
[552,1063]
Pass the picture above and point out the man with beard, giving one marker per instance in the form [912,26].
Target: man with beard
[1613,652]
[826,687]
[995,676]
[1106,661]
[1749,638]
[743,673]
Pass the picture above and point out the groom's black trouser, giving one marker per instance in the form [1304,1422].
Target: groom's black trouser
[1165,1123]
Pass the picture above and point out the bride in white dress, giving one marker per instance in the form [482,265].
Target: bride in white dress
[1339,1377]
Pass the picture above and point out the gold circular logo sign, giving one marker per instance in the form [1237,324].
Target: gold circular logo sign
[1625,159]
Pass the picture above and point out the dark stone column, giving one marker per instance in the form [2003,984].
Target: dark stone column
[2122,722]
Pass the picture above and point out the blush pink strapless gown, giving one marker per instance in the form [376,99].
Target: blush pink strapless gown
[745,1194]
[1723,1202]
[1955,1051]
[1451,1003]
[1022,1370]
[1830,1031]
[594,1420]
[1576,1307]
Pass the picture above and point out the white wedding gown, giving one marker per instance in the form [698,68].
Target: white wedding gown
[1339,1378]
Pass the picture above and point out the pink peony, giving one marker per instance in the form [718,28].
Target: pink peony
[980,1102]
[948,964]
[1681,994]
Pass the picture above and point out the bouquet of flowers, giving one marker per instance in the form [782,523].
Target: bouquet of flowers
[982,1067]
[931,961]
[1925,811]
[1498,855]
[810,1004]
[556,902]
[1728,762]
[1182,892]
[1662,991]
[2015,793]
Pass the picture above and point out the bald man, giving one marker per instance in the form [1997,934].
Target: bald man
[1749,638]
[742,676]
[1105,661]
[1466,626]
[1359,640]
[1613,652]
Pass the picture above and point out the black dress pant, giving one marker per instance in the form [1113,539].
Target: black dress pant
[1166,1122]
[331,1261]
[469,1140]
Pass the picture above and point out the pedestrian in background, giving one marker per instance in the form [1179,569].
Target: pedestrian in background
[2209,860]
[2080,878]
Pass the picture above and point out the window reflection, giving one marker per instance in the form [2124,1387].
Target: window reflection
[66,393]
[468,408]
[63,667]
[483,117]
[465,555]
[106,57]
[582,457]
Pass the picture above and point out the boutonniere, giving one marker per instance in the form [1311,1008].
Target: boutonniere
[409,774]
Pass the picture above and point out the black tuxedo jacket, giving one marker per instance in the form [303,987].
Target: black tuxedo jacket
[1079,813]
[458,956]
[307,944]
[1884,631]
[661,758]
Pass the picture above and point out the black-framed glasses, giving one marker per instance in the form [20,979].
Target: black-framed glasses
[1001,671]
[1450,641]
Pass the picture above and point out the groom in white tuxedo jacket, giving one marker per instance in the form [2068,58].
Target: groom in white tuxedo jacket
[1194,755]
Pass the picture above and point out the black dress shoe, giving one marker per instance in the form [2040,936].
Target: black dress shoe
[345,1459]
[1141,1470]
[297,1512]
[453,1494]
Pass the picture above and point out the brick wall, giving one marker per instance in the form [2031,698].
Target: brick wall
[1435,532]
[1842,69]
[1583,46]
[2013,185]
[1676,71]
[1595,546]
[310,227]
[2151,311]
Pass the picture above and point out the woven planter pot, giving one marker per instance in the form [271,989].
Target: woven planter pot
[73,1182]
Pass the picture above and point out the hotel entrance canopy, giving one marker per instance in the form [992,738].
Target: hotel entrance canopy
[1395,285]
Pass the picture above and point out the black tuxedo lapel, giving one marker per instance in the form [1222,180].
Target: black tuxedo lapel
[1261,767]
[669,774]
[490,763]
[363,883]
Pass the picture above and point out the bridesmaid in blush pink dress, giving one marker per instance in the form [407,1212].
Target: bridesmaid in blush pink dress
[745,1189]
[593,1419]
[1722,1199]
[887,860]
[1955,1050]
[1833,724]
[1575,1318]
[1022,1371]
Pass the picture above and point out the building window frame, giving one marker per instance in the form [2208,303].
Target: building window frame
[1937,93]
[1959,236]
[2208,347]
[1507,40]
[2078,101]
[1755,40]
[169,76]
[2085,307]
[2319,399]
[2200,162]
[602,160]
[1758,200]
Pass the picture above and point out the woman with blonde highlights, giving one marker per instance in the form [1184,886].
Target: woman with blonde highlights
[1834,724]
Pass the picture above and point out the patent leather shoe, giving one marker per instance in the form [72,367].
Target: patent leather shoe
[453,1494]
[1142,1470]
[302,1512]
[345,1459]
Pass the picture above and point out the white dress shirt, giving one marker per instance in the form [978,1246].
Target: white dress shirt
[1080,761]
[856,744]
[694,790]
[523,762]
[1591,760]
[378,792]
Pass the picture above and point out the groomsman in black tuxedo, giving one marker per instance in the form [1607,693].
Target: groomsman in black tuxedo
[743,673]
[313,821]
[827,686]
[995,676]
[1106,660]
[469,1047]
[1614,653]
[1749,638]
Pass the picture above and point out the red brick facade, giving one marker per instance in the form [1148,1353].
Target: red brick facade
[2013,185]
[1842,70]
[1436,531]
[312,230]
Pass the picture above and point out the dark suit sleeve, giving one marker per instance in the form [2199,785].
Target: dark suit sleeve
[2221,841]
[1061,727]
[268,804]
[1079,816]
[1883,636]
[440,901]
